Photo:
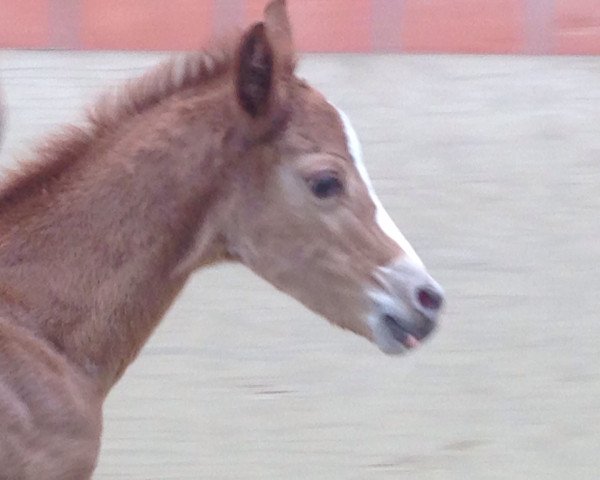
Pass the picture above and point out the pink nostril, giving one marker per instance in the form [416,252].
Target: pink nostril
[429,299]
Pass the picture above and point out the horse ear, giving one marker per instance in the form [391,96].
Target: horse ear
[255,72]
[280,31]
[1,115]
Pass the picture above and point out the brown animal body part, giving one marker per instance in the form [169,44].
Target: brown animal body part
[217,156]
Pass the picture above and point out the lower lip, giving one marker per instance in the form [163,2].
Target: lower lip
[401,335]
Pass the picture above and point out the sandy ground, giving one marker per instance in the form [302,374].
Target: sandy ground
[491,167]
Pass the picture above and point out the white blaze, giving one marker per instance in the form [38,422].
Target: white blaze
[382,218]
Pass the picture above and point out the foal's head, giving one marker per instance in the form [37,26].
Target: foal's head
[306,218]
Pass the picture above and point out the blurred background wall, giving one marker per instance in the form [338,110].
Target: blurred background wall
[462,26]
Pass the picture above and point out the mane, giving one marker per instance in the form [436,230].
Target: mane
[171,77]
[60,151]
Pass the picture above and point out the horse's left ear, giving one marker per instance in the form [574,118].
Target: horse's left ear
[255,74]
[266,55]
[1,116]
[279,30]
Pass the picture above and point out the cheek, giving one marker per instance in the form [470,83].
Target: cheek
[301,254]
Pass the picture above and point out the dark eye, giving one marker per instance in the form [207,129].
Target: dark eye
[326,185]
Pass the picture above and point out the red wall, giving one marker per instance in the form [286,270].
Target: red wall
[475,26]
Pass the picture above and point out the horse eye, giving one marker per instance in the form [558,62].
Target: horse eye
[326,185]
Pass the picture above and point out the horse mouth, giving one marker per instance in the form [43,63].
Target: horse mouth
[409,337]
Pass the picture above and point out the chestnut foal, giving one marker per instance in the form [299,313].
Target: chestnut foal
[225,155]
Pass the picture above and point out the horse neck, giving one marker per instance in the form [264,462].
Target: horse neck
[91,263]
